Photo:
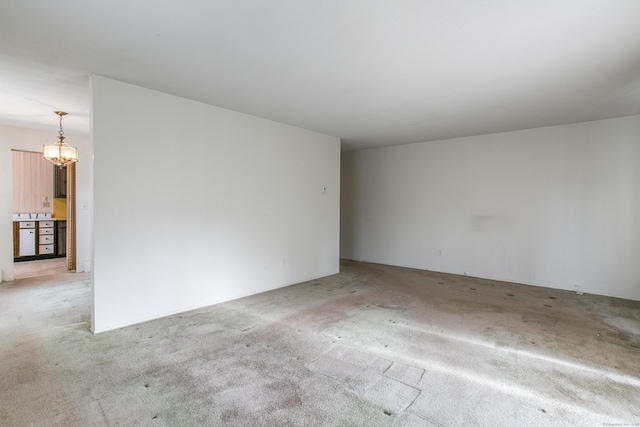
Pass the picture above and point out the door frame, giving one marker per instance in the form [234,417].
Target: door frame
[71,217]
[71,255]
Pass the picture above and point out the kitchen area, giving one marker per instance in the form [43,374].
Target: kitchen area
[39,208]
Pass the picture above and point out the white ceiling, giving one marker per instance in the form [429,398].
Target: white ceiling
[372,72]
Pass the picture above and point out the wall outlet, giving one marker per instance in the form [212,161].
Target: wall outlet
[439,252]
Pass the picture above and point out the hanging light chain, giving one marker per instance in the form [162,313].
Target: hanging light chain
[61,132]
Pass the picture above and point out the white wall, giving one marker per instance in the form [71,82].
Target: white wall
[31,140]
[206,206]
[556,207]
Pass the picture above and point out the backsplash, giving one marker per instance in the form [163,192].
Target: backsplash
[60,208]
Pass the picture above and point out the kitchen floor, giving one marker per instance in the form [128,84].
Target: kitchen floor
[371,346]
[41,267]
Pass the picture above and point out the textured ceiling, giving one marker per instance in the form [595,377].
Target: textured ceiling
[372,72]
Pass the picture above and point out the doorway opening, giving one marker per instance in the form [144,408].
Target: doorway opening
[44,216]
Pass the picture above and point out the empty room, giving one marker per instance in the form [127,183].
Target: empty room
[343,213]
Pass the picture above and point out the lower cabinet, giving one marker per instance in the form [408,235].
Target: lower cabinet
[36,239]
[46,238]
[61,237]
[27,238]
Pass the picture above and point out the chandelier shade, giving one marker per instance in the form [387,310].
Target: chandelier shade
[60,153]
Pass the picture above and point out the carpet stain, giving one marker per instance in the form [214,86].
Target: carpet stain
[230,414]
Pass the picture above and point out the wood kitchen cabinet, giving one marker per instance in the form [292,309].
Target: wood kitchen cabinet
[61,237]
[59,182]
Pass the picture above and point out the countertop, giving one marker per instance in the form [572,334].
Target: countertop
[34,217]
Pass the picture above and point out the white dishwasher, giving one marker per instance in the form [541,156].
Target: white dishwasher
[27,238]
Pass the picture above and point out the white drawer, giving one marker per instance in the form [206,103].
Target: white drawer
[44,224]
[45,231]
[45,249]
[46,239]
[27,224]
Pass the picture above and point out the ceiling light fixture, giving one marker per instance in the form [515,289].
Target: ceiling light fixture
[60,153]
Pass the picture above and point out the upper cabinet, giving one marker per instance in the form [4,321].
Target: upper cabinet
[32,183]
[59,182]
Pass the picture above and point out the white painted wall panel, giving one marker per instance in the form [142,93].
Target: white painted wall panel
[555,206]
[32,183]
[208,205]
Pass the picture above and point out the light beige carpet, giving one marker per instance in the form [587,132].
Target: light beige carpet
[371,346]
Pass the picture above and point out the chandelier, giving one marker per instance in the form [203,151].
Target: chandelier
[60,153]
